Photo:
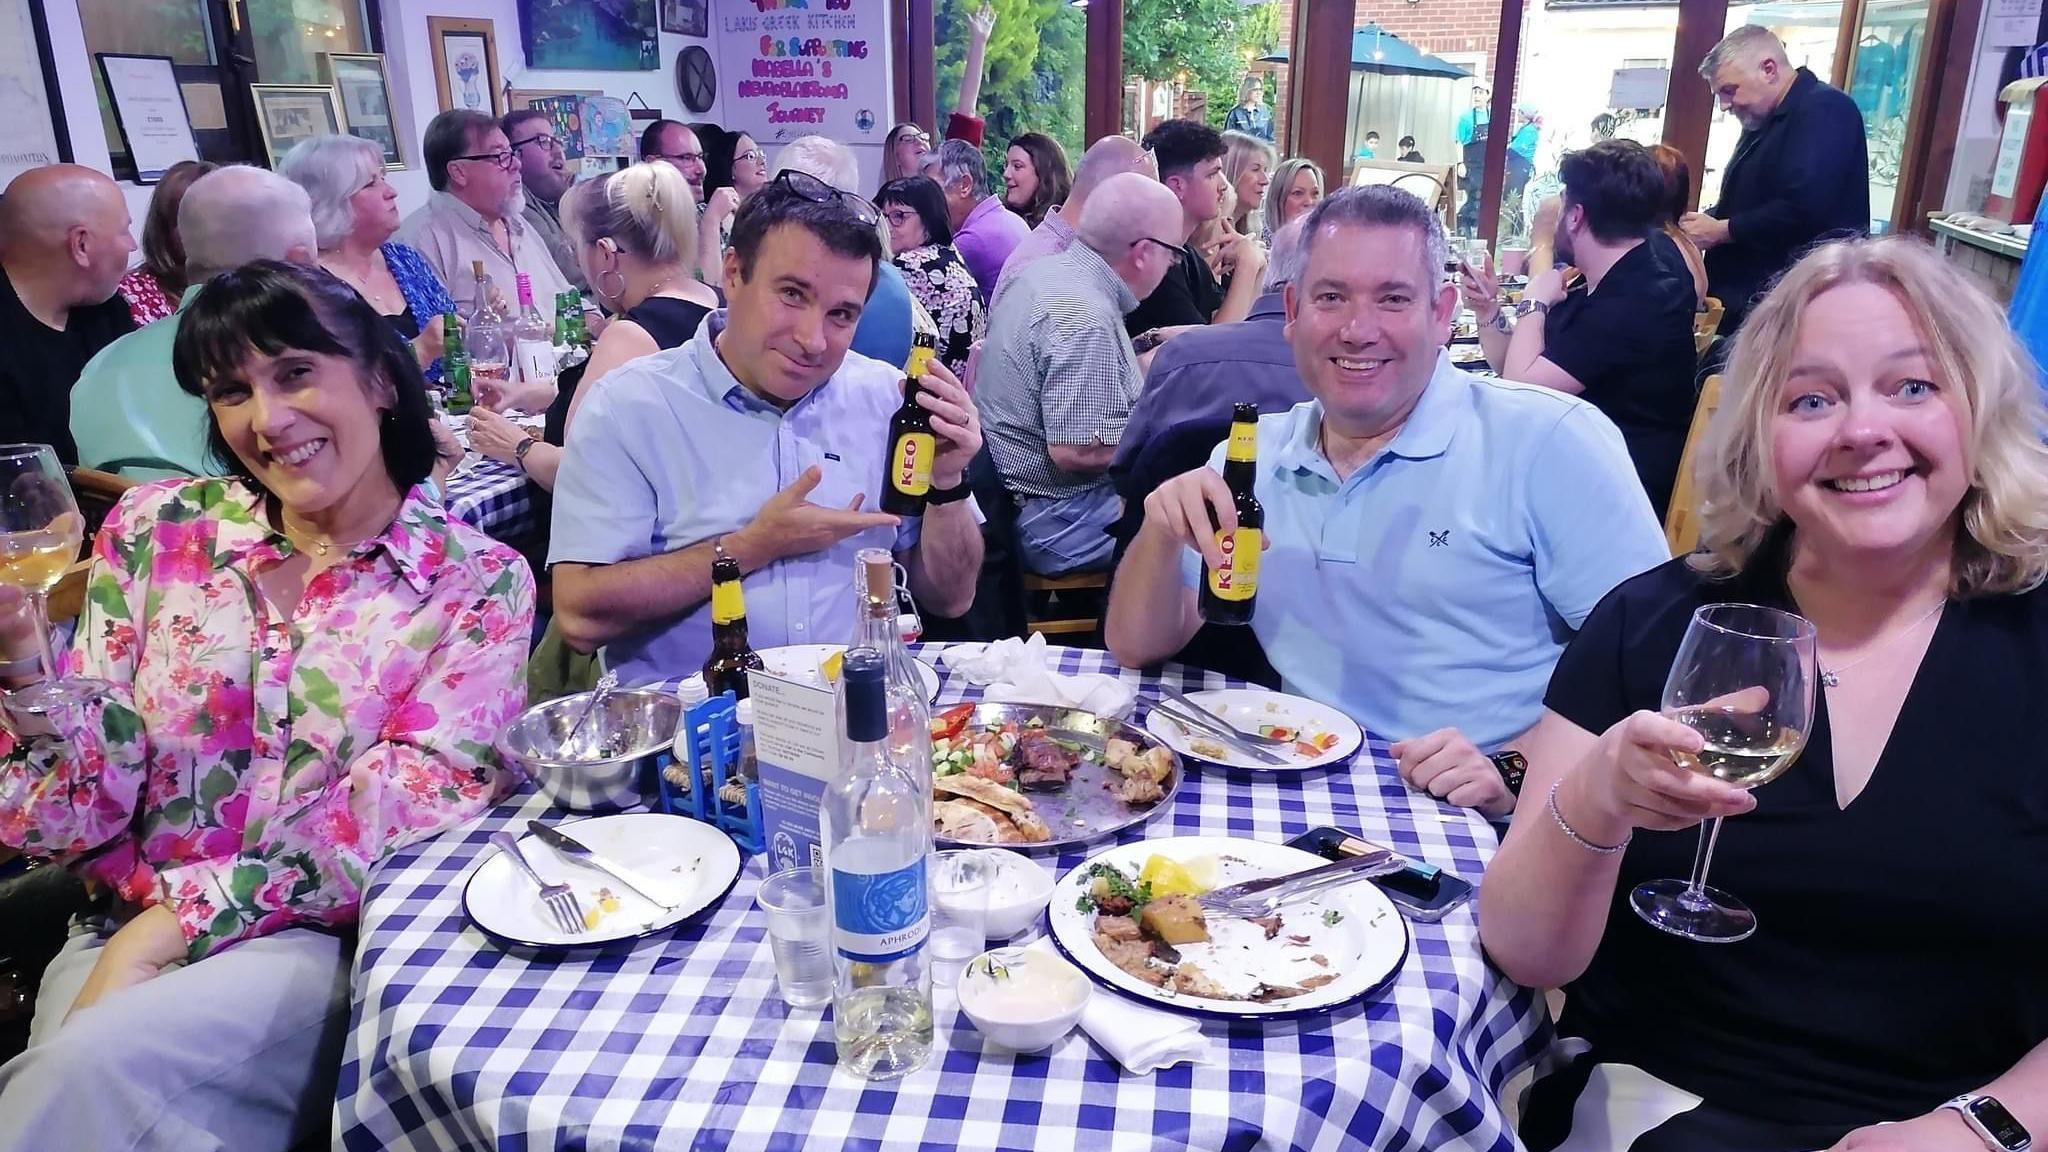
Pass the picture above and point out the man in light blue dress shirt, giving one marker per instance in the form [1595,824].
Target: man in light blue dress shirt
[764,437]
[1433,539]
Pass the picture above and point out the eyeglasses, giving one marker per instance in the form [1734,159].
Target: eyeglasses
[497,159]
[676,158]
[1173,248]
[818,192]
[751,156]
[551,143]
[899,216]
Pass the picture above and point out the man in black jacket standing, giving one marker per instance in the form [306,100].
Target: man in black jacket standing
[1800,173]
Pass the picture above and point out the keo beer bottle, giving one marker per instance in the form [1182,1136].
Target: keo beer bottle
[731,656]
[911,443]
[1228,591]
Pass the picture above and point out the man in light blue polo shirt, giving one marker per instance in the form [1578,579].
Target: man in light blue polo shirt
[1433,538]
[762,436]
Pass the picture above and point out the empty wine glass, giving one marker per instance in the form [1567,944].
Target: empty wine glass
[40,534]
[1744,680]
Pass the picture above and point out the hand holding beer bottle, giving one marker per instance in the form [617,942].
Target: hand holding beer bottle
[1230,584]
[1201,510]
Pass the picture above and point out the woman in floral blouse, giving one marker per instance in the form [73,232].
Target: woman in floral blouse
[310,661]
[152,287]
[915,209]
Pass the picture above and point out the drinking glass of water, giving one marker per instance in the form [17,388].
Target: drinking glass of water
[800,935]
[1744,680]
[960,882]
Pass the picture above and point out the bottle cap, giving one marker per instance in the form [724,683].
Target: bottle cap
[692,691]
[743,712]
[867,709]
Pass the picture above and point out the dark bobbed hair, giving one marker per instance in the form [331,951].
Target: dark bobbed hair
[923,195]
[1179,145]
[1619,185]
[163,252]
[448,135]
[270,307]
[1055,180]
[831,222]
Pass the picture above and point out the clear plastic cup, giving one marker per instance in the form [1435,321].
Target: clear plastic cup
[799,934]
[960,883]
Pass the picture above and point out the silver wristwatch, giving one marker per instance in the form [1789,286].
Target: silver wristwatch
[2000,1130]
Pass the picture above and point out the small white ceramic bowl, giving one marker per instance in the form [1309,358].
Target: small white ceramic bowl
[1017,894]
[1023,999]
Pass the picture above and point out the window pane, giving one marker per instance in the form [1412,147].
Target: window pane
[1589,71]
[1191,58]
[290,35]
[1808,28]
[1881,77]
[1033,78]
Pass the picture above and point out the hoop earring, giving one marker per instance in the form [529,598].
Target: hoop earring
[620,295]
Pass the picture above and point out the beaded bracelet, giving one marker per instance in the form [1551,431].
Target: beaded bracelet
[1581,841]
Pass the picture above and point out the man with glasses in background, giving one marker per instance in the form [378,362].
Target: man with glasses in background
[474,214]
[1057,378]
[544,171]
[761,439]
[677,144]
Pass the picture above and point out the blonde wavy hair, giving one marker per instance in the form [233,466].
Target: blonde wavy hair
[2002,542]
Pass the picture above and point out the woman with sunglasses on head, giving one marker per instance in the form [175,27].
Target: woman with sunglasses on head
[922,239]
[307,662]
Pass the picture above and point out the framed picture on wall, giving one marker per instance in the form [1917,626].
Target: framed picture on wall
[686,17]
[34,134]
[289,113]
[365,93]
[149,109]
[465,56]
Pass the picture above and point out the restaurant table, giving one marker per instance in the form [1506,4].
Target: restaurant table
[491,495]
[681,1041]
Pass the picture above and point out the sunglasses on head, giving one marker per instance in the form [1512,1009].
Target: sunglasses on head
[818,192]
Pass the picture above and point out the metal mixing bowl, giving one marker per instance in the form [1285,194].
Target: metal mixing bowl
[634,724]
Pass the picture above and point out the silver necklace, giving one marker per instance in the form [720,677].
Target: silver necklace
[1832,677]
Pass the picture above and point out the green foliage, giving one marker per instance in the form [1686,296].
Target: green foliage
[1207,40]
[1034,73]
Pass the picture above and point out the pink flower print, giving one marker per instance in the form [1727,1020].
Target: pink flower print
[233,812]
[409,717]
[231,714]
[184,552]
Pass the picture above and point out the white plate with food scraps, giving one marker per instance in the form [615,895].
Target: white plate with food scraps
[693,864]
[1319,735]
[1311,957]
[807,662]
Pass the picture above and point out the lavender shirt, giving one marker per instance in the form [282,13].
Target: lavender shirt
[985,241]
[1052,237]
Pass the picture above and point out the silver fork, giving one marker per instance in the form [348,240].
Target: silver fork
[560,901]
[1256,898]
[1202,714]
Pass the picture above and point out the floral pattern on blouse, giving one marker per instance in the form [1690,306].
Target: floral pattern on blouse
[940,281]
[247,770]
[145,297]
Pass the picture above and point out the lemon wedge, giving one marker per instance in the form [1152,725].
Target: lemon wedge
[1173,878]
[830,665]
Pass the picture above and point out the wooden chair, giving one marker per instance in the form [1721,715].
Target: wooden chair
[1682,519]
[97,493]
[1706,324]
[1097,582]
[67,599]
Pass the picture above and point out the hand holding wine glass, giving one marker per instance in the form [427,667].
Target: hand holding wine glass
[41,532]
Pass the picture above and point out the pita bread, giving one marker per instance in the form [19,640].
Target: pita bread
[965,820]
[1016,808]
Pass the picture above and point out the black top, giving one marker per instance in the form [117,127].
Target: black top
[1188,295]
[1801,177]
[1630,345]
[41,364]
[405,324]
[1896,961]
[670,321]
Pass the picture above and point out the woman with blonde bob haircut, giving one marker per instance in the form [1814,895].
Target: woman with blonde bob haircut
[1878,468]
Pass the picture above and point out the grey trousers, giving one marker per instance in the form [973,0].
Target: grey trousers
[238,1051]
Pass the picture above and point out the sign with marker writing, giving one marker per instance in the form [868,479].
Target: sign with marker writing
[790,68]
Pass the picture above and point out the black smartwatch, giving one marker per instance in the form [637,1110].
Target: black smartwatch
[953,495]
[1512,766]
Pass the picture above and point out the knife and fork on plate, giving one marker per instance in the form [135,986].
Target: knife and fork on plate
[557,897]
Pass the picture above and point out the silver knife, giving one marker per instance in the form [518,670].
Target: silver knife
[1273,891]
[1219,735]
[575,850]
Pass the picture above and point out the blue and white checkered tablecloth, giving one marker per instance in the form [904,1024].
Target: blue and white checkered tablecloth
[492,496]
[680,1041]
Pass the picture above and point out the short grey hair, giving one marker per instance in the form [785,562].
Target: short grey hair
[1123,210]
[1380,206]
[957,158]
[1287,257]
[822,157]
[239,213]
[1749,42]
[332,169]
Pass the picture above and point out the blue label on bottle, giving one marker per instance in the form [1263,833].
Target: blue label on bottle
[878,917]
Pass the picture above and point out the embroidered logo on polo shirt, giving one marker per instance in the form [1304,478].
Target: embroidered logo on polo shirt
[1440,539]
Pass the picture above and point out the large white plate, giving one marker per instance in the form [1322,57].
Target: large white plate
[694,863]
[1246,709]
[1365,942]
[800,662]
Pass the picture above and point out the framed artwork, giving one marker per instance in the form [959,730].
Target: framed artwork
[365,92]
[289,113]
[590,35]
[686,17]
[149,109]
[465,64]
[34,134]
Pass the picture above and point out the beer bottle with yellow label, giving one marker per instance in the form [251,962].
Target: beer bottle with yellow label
[731,656]
[1228,590]
[911,443]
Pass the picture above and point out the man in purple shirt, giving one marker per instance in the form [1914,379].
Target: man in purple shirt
[1106,157]
[984,231]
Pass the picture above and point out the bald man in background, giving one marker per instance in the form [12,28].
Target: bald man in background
[66,246]
[1107,157]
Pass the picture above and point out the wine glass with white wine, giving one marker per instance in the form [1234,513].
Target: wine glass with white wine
[1744,680]
[40,535]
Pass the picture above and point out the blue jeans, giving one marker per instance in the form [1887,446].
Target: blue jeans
[1069,534]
